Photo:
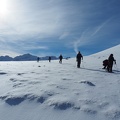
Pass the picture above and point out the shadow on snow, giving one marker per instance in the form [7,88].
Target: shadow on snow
[100,70]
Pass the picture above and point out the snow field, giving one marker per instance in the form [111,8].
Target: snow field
[53,91]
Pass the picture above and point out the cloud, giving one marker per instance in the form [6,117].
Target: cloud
[35,47]
[9,53]
[35,21]
[64,35]
[98,28]
[49,18]
[81,41]
[38,17]
[33,25]
[87,37]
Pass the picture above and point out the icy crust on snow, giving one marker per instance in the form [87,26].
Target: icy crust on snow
[89,92]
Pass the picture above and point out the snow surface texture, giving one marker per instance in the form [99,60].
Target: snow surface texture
[53,91]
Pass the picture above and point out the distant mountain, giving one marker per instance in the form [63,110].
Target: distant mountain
[6,58]
[25,57]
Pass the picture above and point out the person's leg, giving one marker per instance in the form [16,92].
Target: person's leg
[111,67]
[108,68]
[78,64]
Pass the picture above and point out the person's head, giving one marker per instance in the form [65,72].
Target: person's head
[111,55]
[79,52]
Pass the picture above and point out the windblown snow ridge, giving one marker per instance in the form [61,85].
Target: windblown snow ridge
[84,105]
[16,100]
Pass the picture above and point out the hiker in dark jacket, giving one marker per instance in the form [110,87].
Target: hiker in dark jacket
[49,59]
[78,59]
[60,58]
[105,64]
[38,59]
[110,62]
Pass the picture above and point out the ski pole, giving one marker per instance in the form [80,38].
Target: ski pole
[115,66]
[82,63]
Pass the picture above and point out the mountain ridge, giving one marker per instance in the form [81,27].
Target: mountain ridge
[25,57]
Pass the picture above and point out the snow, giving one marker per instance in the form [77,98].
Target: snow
[33,90]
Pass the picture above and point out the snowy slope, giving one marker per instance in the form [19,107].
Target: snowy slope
[53,91]
[105,54]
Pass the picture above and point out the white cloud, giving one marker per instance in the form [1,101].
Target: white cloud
[87,37]
[98,28]
[70,21]
[9,53]
[64,35]
[31,18]
[35,47]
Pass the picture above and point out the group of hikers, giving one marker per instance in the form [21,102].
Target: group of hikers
[108,63]
[49,58]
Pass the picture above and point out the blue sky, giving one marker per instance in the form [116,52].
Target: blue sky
[53,27]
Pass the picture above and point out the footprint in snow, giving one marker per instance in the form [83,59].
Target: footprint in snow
[113,114]
[89,110]
[2,73]
[62,105]
[88,82]
[20,73]
[14,100]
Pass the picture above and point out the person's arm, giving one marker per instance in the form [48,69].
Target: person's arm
[114,61]
[76,58]
[82,56]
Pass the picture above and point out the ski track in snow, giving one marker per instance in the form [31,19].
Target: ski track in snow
[89,90]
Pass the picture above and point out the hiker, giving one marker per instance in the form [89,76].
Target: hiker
[105,64]
[38,59]
[78,59]
[60,58]
[49,59]
[110,62]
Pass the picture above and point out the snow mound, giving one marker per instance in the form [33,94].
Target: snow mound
[113,113]
[62,105]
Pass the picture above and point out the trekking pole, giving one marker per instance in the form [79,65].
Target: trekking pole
[116,67]
[75,63]
[82,63]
